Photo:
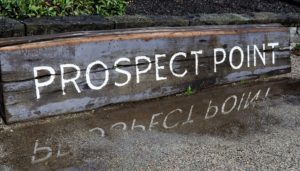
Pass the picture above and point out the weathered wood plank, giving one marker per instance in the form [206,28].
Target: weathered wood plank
[164,77]
[22,40]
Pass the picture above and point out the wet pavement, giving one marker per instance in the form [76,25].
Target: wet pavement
[246,125]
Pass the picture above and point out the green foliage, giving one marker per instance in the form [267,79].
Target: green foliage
[244,81]
[38,8]
[111,7]
[296,48]
[189,91]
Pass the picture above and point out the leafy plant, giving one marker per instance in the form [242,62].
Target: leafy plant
[110,7]
[296,48]
[37,8]
[189,91]
[244,81]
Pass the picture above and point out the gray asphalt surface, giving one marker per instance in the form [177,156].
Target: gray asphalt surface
[274,145]
[271,141]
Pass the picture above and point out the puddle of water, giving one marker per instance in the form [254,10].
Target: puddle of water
[241,126]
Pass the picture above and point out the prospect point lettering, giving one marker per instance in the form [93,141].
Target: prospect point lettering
[248,57]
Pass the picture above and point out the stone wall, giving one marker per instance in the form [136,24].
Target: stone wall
[53,25]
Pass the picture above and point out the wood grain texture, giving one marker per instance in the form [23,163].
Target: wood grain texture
[18,61]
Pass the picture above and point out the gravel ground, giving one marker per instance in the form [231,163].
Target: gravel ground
[275,145]
[186,7]
[295,61]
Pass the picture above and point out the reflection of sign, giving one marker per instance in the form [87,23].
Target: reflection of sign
[231,104]
[96,69]
[170,119]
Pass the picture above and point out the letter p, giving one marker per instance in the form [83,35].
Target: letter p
[216,62]
[42,84]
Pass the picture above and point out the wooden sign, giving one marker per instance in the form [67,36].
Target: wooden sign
[83,71]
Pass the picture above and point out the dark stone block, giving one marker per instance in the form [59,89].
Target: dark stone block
[11,28]
[137,21]
[287,19]
[218,19]
[52,25]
